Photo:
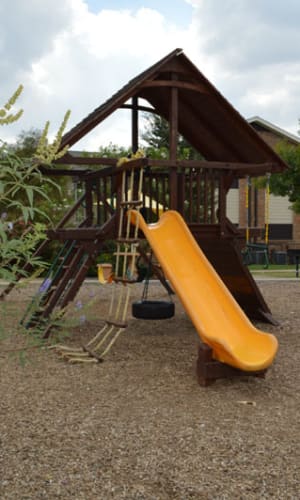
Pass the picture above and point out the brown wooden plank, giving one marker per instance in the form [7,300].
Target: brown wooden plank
[209,370]
[178,84]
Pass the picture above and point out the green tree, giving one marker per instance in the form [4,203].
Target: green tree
[287,183]
[156,137]
[113,151]
[26,143]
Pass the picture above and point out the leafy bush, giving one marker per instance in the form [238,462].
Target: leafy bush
[21,185]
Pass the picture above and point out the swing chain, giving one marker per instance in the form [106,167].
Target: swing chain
[147,278]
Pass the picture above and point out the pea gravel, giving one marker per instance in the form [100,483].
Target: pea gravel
[139,426]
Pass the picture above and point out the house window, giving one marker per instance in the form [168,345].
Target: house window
[281,231]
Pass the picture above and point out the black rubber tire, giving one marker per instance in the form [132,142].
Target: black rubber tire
[153,309]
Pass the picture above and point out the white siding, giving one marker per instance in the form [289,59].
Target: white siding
[279,212]
[232,205]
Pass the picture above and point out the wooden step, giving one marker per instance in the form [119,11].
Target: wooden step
[128,254]
[131,203]
[128,240]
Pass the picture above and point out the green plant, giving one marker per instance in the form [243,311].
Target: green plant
[21,185]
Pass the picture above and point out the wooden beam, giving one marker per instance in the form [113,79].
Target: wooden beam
[89,202]
[197,87]
[173,120]
[85,160]
[63,171]
[173,140]
[258,169]
[222,204]
[84,233]
[238,168]
[147,109]
[134,125]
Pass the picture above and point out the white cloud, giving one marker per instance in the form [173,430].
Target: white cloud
[28,30]
[254,49]
[70,58]
[249,34]
[84,58]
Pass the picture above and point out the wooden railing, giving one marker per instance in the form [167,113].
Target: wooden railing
[193,189]
[197,196]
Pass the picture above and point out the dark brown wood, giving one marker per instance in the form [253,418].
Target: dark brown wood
[222,205]
[61,282]
[212,198]
[176,84]
[237,167]
[42,247]
[268,317]
[173,120]
[190,195]
[173,140]
[79,277]
[70,159]
[177,91]
[67,283]
[240,169]
[209,370]
[134,125]
[206,193]
[230,136]
[85,233]
[147,109]
[225,256]
[173,186]
[181,193]
[89,202]
[58,172]
[71,212]
[198,196]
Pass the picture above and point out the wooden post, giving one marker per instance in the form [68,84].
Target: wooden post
[134,125]
[181,192]
[209,370]
[222,203]
[173,139]
[89,202]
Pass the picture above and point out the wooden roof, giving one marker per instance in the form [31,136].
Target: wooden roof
[205,118]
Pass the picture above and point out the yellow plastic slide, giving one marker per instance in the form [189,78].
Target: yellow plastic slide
[217,317]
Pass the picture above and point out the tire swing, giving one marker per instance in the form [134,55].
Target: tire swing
[152,309]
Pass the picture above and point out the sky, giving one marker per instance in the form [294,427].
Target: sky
[74,54]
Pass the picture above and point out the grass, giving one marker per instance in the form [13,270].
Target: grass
[273,271]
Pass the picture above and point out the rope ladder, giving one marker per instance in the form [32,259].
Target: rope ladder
[126,254]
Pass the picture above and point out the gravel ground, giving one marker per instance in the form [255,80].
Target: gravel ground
[139,426]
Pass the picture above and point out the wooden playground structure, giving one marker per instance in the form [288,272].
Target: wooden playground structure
[176,90]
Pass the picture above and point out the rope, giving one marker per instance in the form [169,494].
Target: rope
[99,346]
[147,279]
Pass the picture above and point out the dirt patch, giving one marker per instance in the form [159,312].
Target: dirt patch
[139,426]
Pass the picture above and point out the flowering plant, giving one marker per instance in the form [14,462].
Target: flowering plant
[21,183]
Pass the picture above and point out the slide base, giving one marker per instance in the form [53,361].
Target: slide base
[209,369]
